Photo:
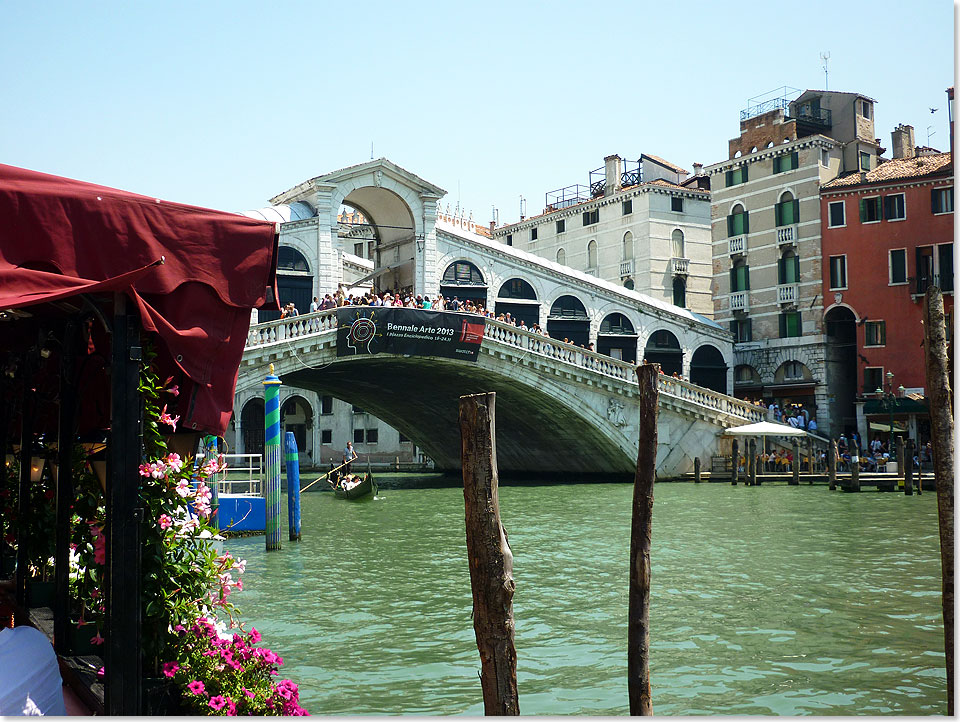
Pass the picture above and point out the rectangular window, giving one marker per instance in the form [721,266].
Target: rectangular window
[509,239]
[403,439]
[627,207]
[741,330]
[358,436]
[326,405]
[786,162]
[561,226]
[864,160]
[865,109]
[788,269]
[737,176]
[533,234]
[790,325]
[358,410]
[825,158]
[870,210]
[872,379]
[838,214]
[945,266]
[895,207]
[786,213]
[739,278]
[838,272]
[924,268]
[591,217]
[738,224]
[875,333]
[942,200]
[373,435]
[676,204]
[326,436]
[898,266]
[358,249]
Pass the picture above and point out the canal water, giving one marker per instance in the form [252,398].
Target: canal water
[775,600]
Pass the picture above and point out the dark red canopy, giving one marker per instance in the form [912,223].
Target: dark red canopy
[62,237]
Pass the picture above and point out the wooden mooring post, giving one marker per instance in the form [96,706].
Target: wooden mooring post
[908,469]
[638,619]
[832,466]
[489,556]
[902,469]
[752,462]
[795,467]
[941,436]
[853,484]
[696,470]
[735,469]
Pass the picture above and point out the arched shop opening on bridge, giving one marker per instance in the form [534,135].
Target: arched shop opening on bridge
[664,349]
[568,320]
[252,427]
[707,368]
[465,281]
[296,415]
[841,366]
[294,282]
[518,298]
[617,338]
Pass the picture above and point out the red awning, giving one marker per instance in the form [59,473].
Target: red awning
[62,237]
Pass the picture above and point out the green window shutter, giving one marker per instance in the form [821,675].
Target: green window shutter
[783,325]
[729,178]
[798,324]
[749,330]
[863,211]
[796,210]
[776,165]
[781,271]
[778,214]
[796,159]
[934,201]
[733,279]
[796,269]
[730,226]
[743,174]
[746,221]
[733,329]
[746,275]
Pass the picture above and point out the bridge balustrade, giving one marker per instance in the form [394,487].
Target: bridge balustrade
[310,324]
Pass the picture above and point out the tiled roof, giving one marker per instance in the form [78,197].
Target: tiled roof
[664,163]
[896,169]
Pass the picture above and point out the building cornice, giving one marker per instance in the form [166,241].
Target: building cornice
[891,184]
[778,150]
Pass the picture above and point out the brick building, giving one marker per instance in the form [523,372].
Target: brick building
[887,235]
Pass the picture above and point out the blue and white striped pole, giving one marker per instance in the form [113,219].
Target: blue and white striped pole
[293,486]
[271,490]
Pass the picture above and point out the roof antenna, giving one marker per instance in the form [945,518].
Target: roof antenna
[825,58]
[371,150]
[523,205]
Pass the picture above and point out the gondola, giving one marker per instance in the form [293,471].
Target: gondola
[367,487]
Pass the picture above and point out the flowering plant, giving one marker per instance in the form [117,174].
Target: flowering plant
[228,675]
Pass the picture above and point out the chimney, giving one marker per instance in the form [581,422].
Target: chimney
[612,173]
[698,169]
[903,142]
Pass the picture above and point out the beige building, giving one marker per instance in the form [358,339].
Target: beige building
[767,259]
[644,225]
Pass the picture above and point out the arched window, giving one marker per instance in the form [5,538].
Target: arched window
[462,273]
[788,268]
[739,276]
[678,249]
[679,292]
[617,323]
[738,222]
[290,259]
[517,288]
[787,211]
[561,257]
[592,254]
[629,284]
[568,307]
[627,246]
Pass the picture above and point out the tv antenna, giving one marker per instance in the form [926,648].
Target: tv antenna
[929,134]
[371,150]
[825,59]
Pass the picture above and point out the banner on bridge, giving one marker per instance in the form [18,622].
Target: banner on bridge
[367,330]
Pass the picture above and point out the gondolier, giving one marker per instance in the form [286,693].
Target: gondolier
[349,454]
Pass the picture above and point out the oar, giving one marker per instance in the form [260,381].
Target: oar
[325,476]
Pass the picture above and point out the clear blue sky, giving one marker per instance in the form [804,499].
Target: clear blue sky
[227,104]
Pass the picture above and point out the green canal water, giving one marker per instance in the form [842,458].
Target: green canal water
[774,600]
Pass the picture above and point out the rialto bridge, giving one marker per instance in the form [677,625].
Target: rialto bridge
[561,407]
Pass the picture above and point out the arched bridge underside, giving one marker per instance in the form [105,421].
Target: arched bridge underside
[560,409]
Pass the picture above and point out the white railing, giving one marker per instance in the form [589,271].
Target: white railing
[590,271]
[500,332]
[626,267]
[787,234]
[243,475]
[740,301]
[681,266]
[787,293]
[737,245]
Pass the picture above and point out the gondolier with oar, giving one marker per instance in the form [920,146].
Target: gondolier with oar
[349,454]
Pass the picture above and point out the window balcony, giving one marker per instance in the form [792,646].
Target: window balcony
[680,266]
[788,293]
[787,235]
[626,268]
[740,301]
[590,271]
[738,245]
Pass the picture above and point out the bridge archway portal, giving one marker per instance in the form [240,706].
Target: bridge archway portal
[568,320]
[390,225]
[252,426]
[617,338]
[707,368]
[465,281]
[663,348]
[518,298]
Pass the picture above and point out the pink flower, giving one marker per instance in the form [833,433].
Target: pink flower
[165,521]
[97,639]
[247,692]
[169,669]
[231,708]
[100,673]
[166,418]
[175,390]
[174,462]
[203,492]
[183,488]
[203,508]
[254,635]
[99,546]
[217,702]
[196,687]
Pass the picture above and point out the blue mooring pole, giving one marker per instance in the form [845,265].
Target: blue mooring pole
[293,486]
[271,448]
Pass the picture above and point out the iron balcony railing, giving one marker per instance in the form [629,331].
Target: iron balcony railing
[815,116]
[944,281]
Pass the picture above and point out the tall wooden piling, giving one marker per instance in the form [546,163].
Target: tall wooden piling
[832,465]
[696,470]
[271,448]
[735,469]
[795,466]
[638,619]
[901,457]
[908,469]
[854,484]
[752,462]
[489,555]
[941,436]
[293,485]
[902,467]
